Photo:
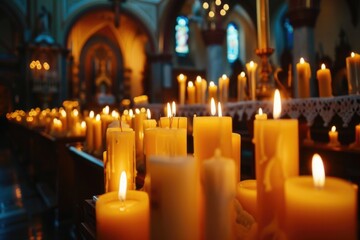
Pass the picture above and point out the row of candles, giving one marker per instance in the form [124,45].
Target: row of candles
[200,196]
[196,91]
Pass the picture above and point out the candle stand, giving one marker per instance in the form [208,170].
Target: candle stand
[265,88]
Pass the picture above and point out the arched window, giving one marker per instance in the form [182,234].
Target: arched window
[232,41]
[182,36]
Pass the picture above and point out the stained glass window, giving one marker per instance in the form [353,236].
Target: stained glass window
[232,41]
[182,36]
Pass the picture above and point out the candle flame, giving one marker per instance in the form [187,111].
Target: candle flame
[181,77]
[173,109]
[242,74]
[277,105]
[91,114]
[352,54]
[302,60]
[63,113]
[251,64]
[106,110]
[219,110]
[260,111]
[168,110]
[122,186]
[115,114]
[211,84]
[318,171]
[333,129]
[224,76]
[198,79]
[131,113]
[190,84]
[212,107]
[148,114]
[75,112]
[137,111]
[97,118]
[83,124]
[323,66]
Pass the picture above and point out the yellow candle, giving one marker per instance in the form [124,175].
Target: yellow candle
[97,134]
[106,119]
[199,89]
[191,93]
[57,128]
[303,78]
[236,149]
[247,197]
[219,186]
[262,13]
[353,73]
[174,198]
[171,121]
[241,85]
[333,137]
[357,135]
[204,87]
[212,91]
[171,142]
[224,88]
[319,207]
[90,132]
[122,215]
[74,119]
[324,80]
[140,116]
[260,115]
[276,159]
[251,70]
[63,119]
[120,156]
[182,81]
[83,128]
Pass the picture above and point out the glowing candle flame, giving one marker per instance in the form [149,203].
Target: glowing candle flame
[91,114]
[190,84]
[318,171]
[211,84]
[106,110]
[115,114]
[97,118]
[302,60]
[352,54]
[131,113]
[75,112]
[168,110]
[173,109]
[251,64]
[122,187]
[333,129]
[148,113]
[277,105]
[137,111]
[224,76]
[219,110]
[198,79]
[260,111]
[63,113]
[323,67]
[83,124]
[242,74]
[212,107]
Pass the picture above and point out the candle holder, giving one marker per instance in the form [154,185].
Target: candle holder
[264,89]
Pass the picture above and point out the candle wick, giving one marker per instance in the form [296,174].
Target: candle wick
[122,205]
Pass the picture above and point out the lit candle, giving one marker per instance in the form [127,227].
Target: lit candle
[224,88]
[241,85]
[212,90]
[74,119]
[303,79]
[57,128]
[171,121]
[90,132]
[63,119]
[219,186]
[199,89]
[262,13]
[182,81]
[204,87]
[324,80]
[251,70]
[120,157]
[149,123]
[106,119]
[174,198]
[123,214]
[333,137]
[83,128]
[260,115]
[353,73]
[276,159]
[319,207]
[247,197]
[236,149]
[97,135]
[191,92]
[357,135]
[140,116]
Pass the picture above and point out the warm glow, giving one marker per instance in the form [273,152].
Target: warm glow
[83,124]
[260,111]
[226,7]
[323,67]
[219,110]
[106,110]
[91,114]
[97,118]
[181,77]
[46,66]
[63,113]
[212,107]
[38,66]
[190,84]
[198,79]
[277,105]
[173,109]
[32,65]
[242,74]
[318,171]
[131,113]
[218,2]
[122,186]
[137,111]
[115,114]
[75,112]
[211,14]
[168,110]
[205,5]
[333,129]
[222,12]
[148,114]
[302,60]
[352,54]
[211,84]
[224,76]
[251,64]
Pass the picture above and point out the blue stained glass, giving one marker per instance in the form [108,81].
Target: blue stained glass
[182,35]
[232,40]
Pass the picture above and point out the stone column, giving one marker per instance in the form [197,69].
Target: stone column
[160,66]
[213,39]
[302,16]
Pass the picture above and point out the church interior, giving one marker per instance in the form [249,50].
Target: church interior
[211,114]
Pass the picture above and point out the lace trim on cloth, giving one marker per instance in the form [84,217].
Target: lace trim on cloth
[346,107]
